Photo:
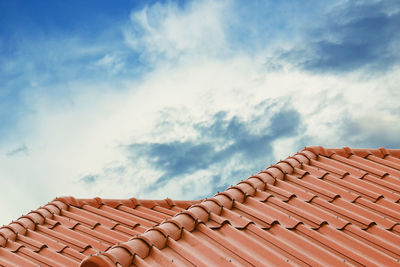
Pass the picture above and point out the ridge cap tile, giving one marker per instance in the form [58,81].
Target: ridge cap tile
[317,150]
[13,234]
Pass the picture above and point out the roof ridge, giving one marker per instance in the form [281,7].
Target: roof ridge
[130,202]
[30,220]
[188,219]
[347,151]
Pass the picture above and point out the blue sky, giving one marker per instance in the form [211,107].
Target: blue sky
[180,99]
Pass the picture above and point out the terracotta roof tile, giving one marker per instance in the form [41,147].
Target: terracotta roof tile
[66,230]
[319,207]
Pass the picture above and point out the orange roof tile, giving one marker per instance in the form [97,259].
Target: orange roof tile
[66,230]
[318,207]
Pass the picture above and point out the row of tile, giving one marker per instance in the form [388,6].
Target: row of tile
[319,207]
[66,230]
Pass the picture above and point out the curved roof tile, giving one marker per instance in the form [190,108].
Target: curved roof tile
[318,207]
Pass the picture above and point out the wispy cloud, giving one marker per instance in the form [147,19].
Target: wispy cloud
[112,62]
[21,150]
[170,31]
[353,35]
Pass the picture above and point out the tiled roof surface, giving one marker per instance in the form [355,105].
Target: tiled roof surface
[66,230]
[318,207]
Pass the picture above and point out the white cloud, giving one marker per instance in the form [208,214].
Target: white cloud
[112,62]
[171,32]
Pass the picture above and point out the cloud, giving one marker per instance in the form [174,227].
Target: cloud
[90,178]
[112,62]
[219,141]
[355,35]
[23,149]
[47,67]
[371,130]
[343,36]
[169,31]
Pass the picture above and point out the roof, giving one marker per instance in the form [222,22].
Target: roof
[66,230]
[317,207]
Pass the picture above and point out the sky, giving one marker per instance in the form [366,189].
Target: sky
[181,99]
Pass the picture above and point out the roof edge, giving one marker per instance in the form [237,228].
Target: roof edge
[123,254]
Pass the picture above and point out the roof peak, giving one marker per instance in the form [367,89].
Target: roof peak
[141,245]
